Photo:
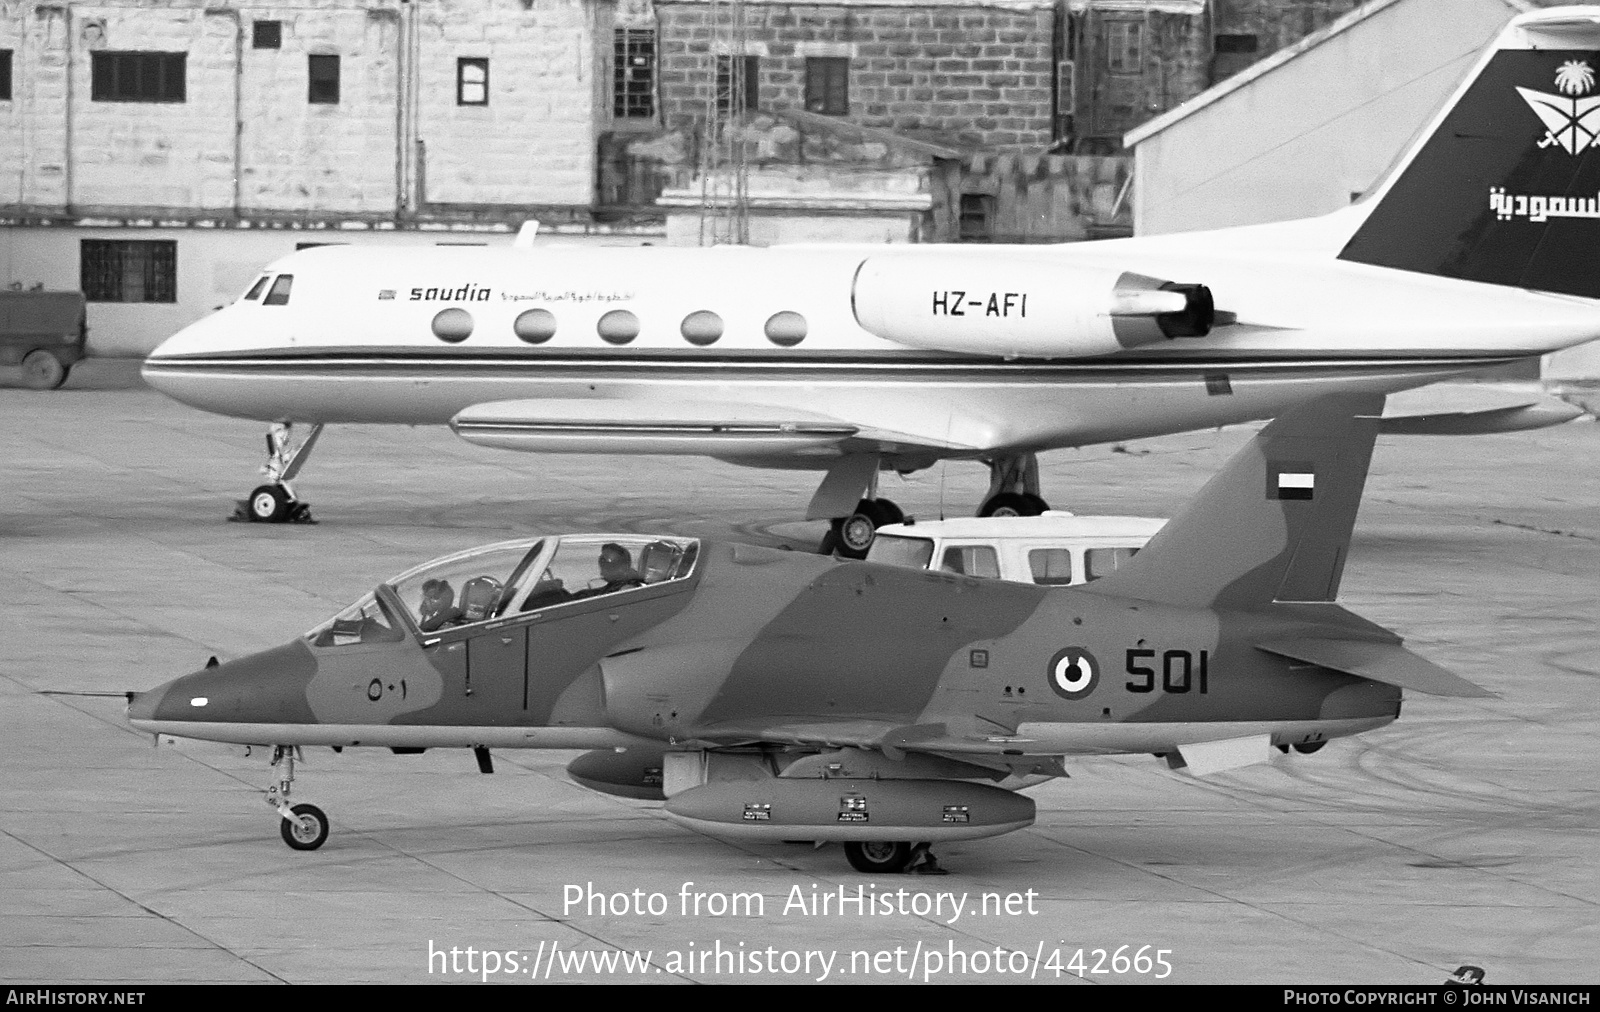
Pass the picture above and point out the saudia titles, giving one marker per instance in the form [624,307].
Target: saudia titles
[1571,123]
[466,293]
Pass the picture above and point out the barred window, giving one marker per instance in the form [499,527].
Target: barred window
[472,81]
[323,86]
[1125,47]
[137,77]
[5,75]
[738,83]
[138,270]
[633,74]
[828,85]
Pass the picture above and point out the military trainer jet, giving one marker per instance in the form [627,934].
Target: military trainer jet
[1475,251]
[771,695]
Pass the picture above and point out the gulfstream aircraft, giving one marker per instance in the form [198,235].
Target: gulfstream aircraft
[769,695]
[1477,250]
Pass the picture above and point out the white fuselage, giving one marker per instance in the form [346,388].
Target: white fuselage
[356,340]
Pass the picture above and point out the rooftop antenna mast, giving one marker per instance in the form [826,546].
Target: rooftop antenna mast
[724,169]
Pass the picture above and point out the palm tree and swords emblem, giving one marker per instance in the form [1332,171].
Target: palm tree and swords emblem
[1570,121]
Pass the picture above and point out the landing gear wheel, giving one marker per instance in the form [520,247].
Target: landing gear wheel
[1308,747]
[851,536]
[42,371]
[1013,504]
[888,512]
[878,857]
[270,504]
[307,830]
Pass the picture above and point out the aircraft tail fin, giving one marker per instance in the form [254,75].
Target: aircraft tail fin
[1274,524]
[1503,186]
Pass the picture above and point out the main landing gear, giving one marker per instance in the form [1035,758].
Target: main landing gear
[275,502]
[304,827]
[1013,492]
[886,857]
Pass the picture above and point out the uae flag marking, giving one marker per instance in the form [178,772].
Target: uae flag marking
[1292,481]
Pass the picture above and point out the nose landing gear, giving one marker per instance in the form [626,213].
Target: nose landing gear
[275,503]
[304,827]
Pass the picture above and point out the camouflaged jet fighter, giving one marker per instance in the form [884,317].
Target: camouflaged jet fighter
[770,695]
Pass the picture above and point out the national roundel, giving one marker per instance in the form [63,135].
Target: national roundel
[1073,673]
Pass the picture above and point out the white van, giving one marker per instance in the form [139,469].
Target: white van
[1055,549]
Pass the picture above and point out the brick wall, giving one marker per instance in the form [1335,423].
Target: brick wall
[969,76]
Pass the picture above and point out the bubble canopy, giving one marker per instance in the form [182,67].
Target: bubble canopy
[512,577]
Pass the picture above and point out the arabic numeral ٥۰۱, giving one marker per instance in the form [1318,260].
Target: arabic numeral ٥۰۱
[1180,672]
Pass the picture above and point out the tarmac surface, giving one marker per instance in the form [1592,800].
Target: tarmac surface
[1464,833]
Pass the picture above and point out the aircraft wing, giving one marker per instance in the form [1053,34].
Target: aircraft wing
[728,430]
[1388,663]
[1472,409]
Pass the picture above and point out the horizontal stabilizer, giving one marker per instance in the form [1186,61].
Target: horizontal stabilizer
[1473,409]
[1204,758]
[1388,663]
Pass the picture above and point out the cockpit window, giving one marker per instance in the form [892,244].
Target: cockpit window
[279,295]
[519,576]
[366,621]
[255,289]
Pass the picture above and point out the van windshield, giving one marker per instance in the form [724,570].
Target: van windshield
[894,550]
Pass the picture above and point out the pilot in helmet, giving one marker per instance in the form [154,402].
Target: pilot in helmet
[616,567]
[438,607]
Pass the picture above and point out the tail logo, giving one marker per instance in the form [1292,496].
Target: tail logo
[1571,122]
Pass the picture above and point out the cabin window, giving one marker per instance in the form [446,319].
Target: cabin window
[452,325]
[618,327]
[5,75]
[472,81]
[895,550]
[1051,567]
[786,329]
[137,77]
[702,328]
[971,560]
[255,289]
[1098,562]
[278,295]
[322,77]
[129,270]
[535,326]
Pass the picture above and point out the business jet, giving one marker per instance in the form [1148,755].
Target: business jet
[1476,250]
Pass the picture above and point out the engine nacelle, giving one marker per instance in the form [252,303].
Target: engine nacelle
[635,773]
[779,809]
[1022,306]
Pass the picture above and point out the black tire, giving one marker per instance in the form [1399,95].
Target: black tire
[41,370]
[1308,747]
[269,504]
[1035,503]
[1012,504]
[878,857]
[308,830]
[887,512]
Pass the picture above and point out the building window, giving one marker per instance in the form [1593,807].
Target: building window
[139,270]
[1125,47]
[137,77]
[828,85]
[1235,44]
[738,83]
[5,75]
[472,81]
[633,75]
[266,35]
[323,88]
[976,210]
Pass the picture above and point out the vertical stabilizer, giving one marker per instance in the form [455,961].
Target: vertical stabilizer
[1504,186]
[1274,524]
